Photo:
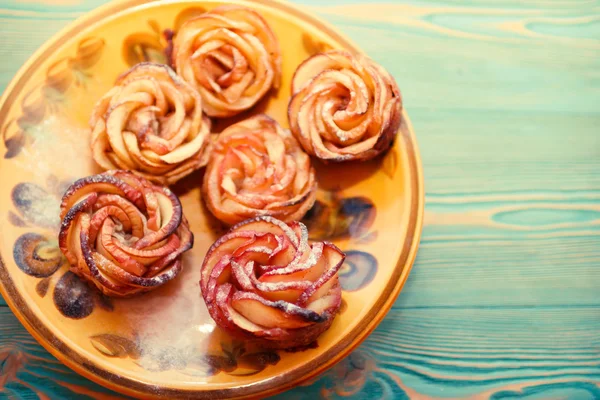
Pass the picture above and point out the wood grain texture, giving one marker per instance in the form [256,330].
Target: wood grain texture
[504,299]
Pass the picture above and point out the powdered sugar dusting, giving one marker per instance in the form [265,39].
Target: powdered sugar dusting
[36,205]
[57,146]
[171,323]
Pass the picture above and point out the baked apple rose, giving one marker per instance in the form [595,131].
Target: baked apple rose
[264,281]
[344,107]
[258,168]
[231,56]
[150,122]
[122,233]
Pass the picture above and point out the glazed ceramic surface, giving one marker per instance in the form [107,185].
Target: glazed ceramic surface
[164,343]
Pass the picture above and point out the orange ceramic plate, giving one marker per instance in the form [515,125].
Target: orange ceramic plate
[164,344]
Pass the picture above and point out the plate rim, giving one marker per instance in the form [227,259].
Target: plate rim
[343,346]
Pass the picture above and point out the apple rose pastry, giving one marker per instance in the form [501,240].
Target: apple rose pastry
[123,233]
[344,107]
[150,122]
[264,281]
[258,168]
[231,56]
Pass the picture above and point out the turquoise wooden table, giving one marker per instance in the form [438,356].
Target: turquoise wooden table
[504,299]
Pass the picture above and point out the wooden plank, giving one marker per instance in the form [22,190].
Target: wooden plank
[536,272]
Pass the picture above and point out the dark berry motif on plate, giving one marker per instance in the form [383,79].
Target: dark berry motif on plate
[39,256]
[73,298]
[248,363]
[48,97]
[76,299]
[36,255]
[336,217]
[38,205]
[34,206]
[358,270]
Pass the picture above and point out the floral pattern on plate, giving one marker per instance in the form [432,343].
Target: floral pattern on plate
[49,97]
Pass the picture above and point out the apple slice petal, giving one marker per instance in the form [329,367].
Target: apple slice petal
[328,303]
[215,285]
[223,247]
[219,309]
[272,314]
[171,212]
[311,266]
[334,259]
[266,224]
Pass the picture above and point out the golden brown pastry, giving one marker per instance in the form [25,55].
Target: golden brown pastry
[231,56]
[344,107]
[258,168]
[264,281]
[123,233]
[150,122]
